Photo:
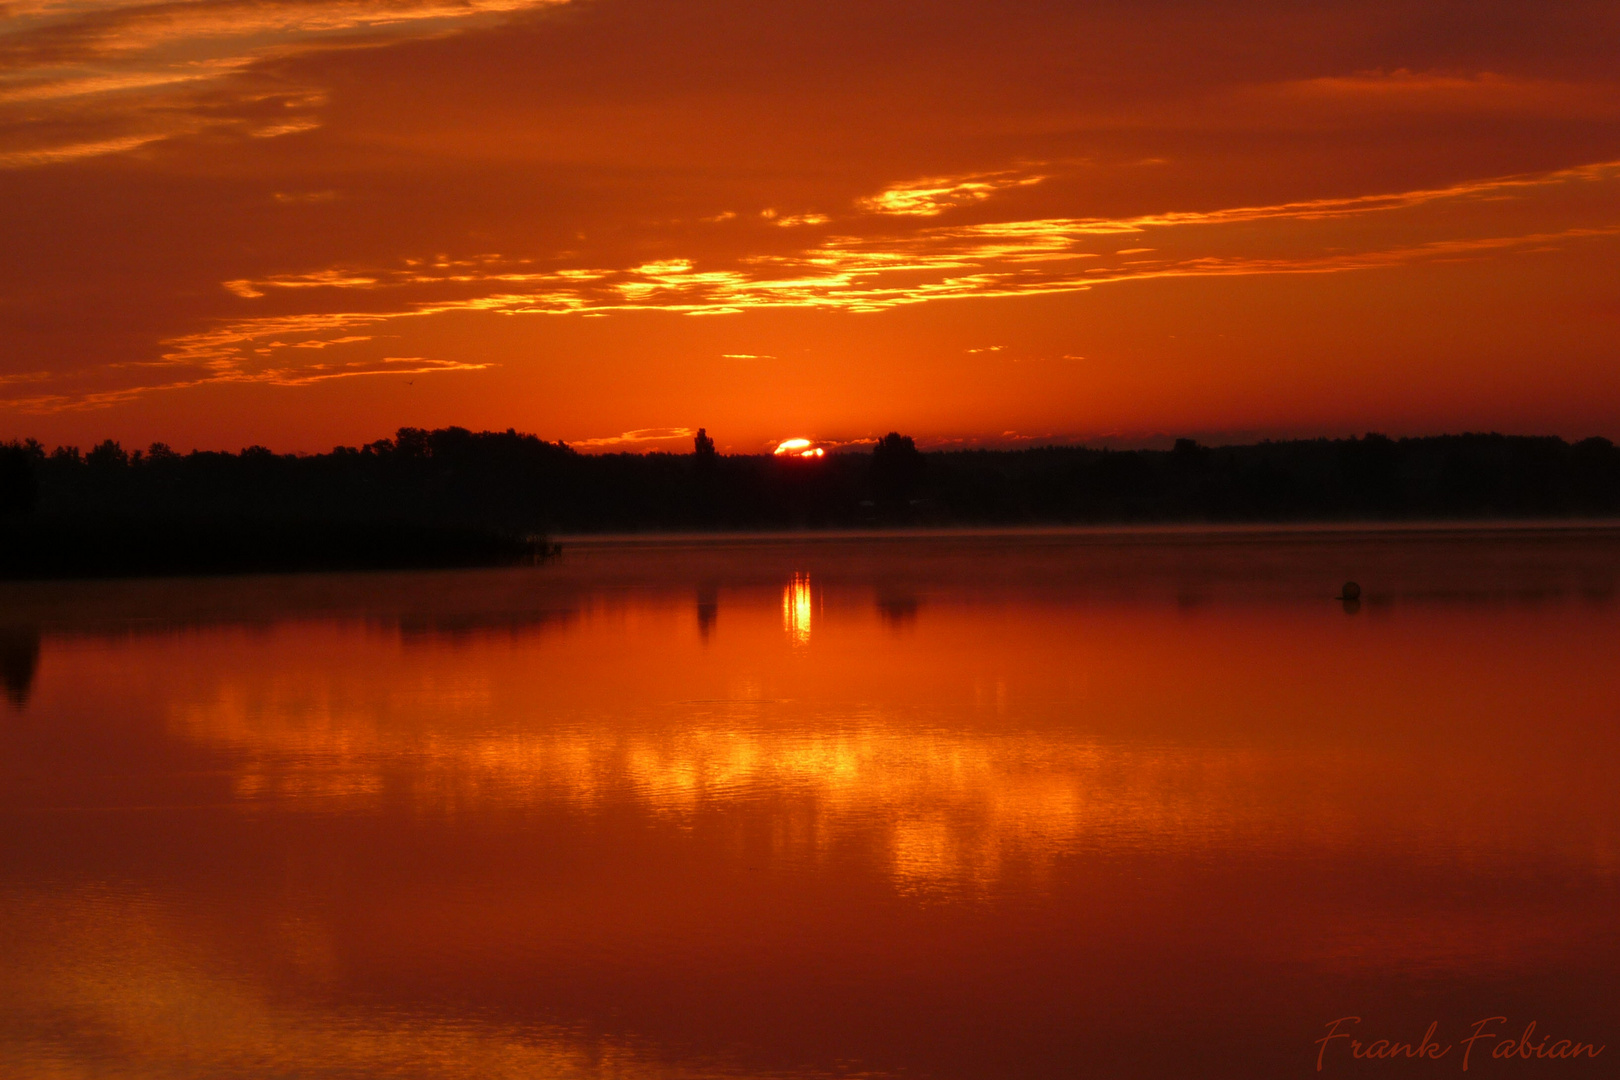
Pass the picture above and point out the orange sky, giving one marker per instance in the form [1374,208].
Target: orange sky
[307,222]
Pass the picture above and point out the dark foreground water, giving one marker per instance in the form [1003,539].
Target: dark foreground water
[1080,806]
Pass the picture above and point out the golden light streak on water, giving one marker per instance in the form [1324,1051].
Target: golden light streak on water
[796,609]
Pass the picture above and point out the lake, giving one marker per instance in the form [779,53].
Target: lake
[1062,804]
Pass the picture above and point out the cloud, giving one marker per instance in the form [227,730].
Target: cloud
[90,79]
[55,36]
[40,86]
[887,268]
[24,377]
[306,374]
[319,279]
[933,196]
[1401,90]
[53,155]
[881,270]
[388,365]
[270,351]
[640,435]
[303,197]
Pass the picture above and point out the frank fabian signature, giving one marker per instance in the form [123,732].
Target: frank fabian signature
[1498,1041]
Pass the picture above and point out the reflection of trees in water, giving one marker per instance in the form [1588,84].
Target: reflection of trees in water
[462,627]
[708,608]
[897,609]
[19,661]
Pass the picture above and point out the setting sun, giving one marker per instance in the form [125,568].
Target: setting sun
[802,448]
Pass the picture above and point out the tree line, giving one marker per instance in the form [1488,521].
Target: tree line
[491,492]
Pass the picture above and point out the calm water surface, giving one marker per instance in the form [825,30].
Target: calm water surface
[1092,805]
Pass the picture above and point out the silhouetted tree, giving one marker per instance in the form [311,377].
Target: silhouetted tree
[897,467]
[19,490]
[106,456]
[703,446]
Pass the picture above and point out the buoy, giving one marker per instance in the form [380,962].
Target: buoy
[1350,591]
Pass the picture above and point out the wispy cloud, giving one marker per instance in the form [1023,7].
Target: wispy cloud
[49,84]
[70,399]
[24,377]
[640,435]
[938,262]
[95,78]
[388,365]
[1450,92]
[52,155]
[933,196]
[885,269]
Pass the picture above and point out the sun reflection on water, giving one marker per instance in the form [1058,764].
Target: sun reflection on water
[796,609]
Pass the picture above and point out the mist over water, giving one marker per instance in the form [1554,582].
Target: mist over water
[1062,804]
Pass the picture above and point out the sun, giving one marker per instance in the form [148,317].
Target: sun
[801,448]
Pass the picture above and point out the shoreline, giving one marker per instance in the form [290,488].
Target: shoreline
[983,543]
[1260,529]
